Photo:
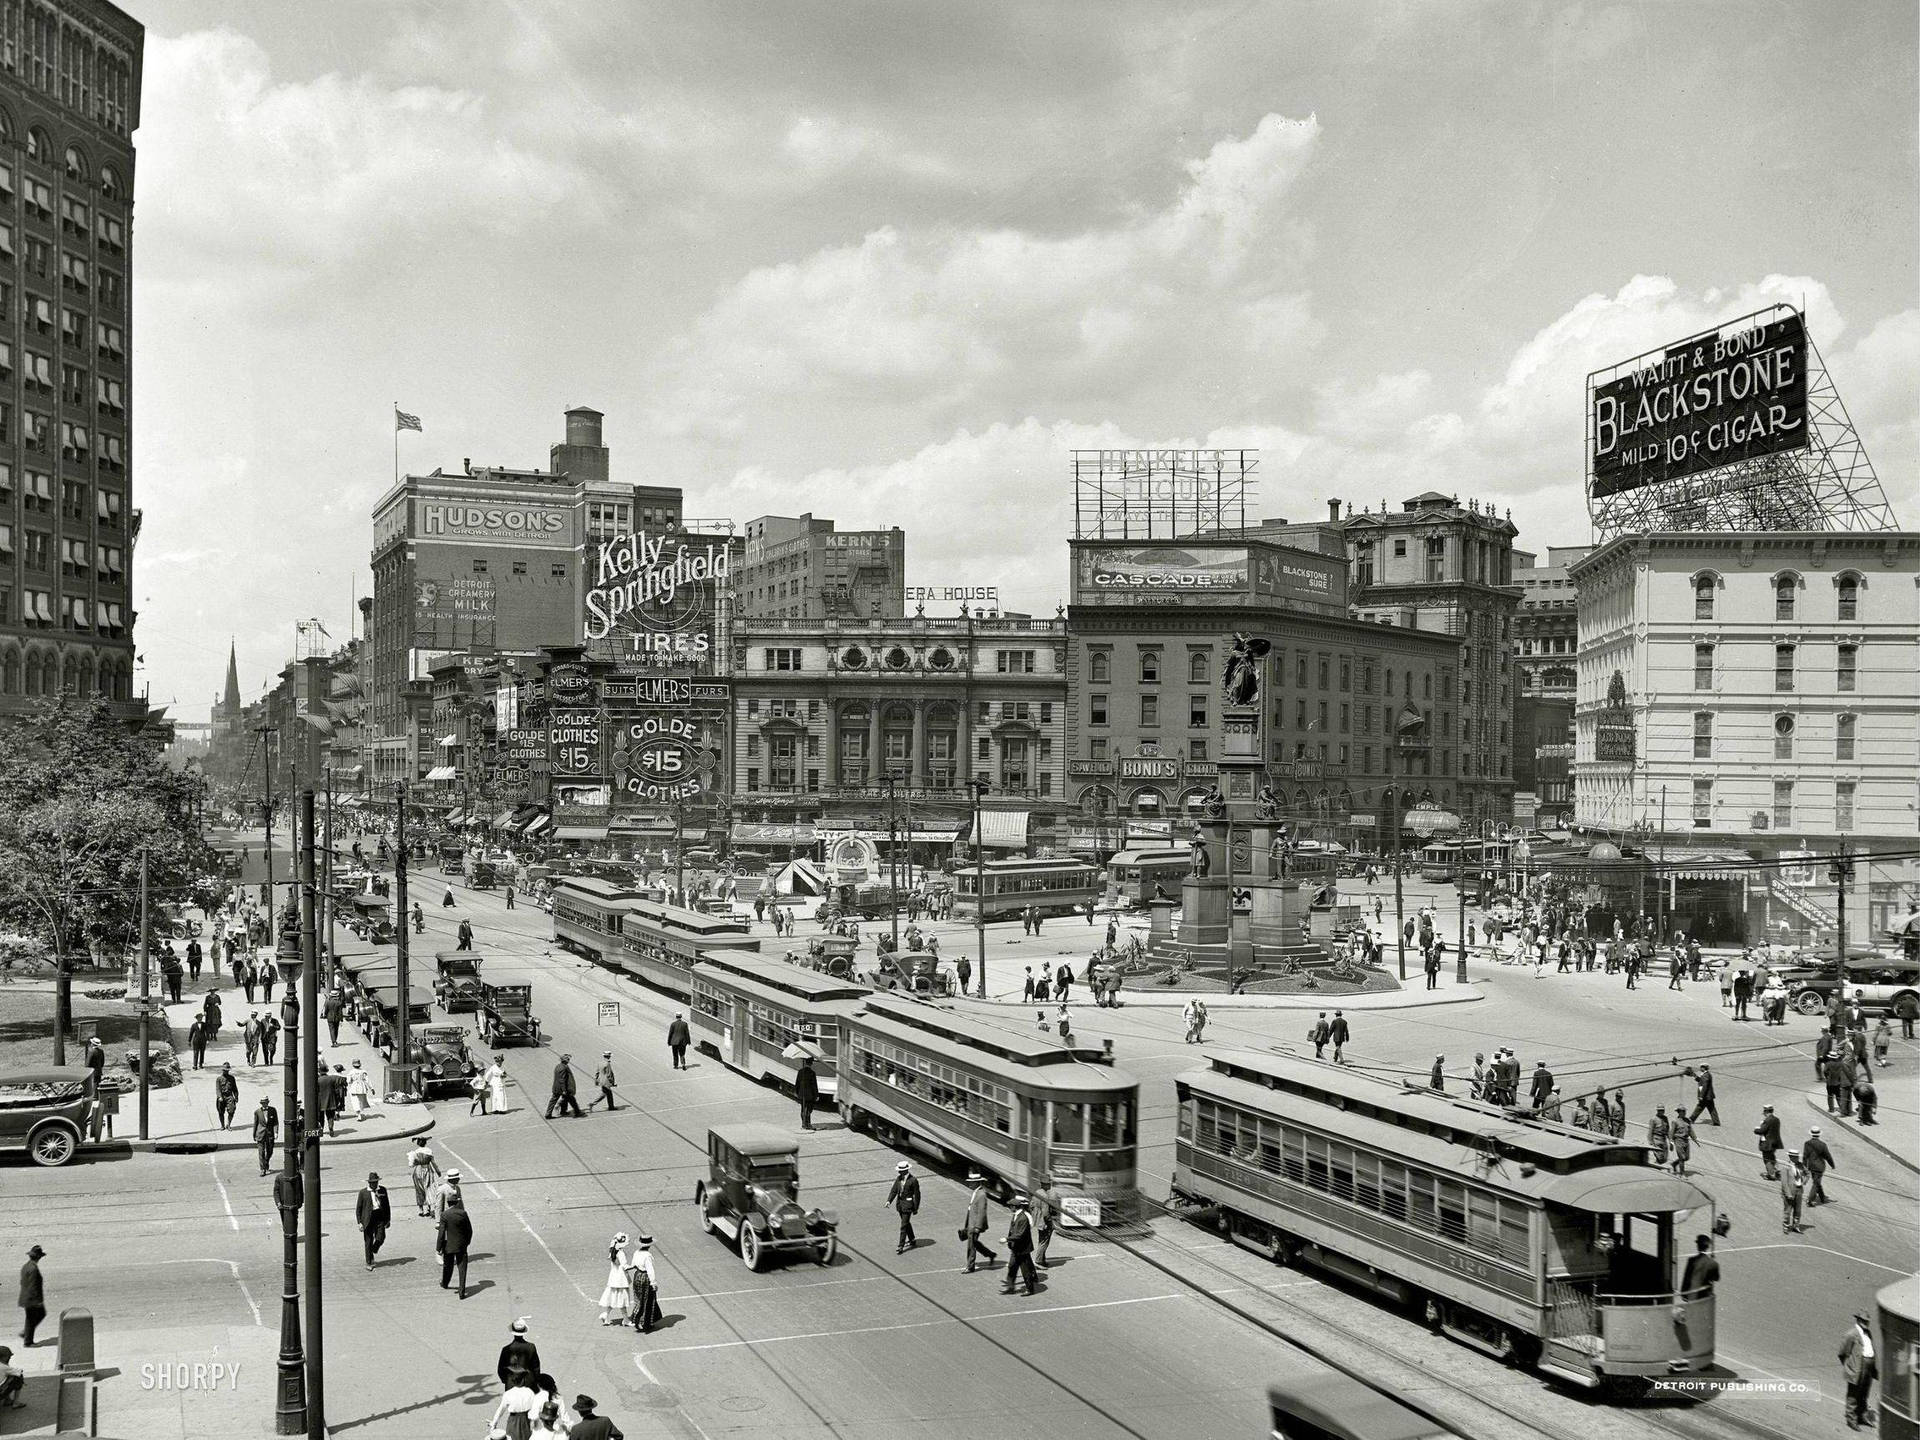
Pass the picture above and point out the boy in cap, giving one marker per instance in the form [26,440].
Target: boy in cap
[603,1077]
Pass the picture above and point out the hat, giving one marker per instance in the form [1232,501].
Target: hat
[1021,1202]
[974,1177]
[519,1326]
[644,1242]
[454,1176]
[372,1175]
[901,1167]
[585,1402]
[621,1238]
[606,1054]
[1793,1150]
[34,1252]
[1814,1131]
[1766,1107]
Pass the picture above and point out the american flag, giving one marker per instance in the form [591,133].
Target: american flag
[404,421]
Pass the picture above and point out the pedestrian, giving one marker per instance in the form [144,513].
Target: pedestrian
[1659,1134]
[519,1362]
[266,976]
[1726,986]
[1551,1110]
[1062,982]
[332,1087]
[1619,1115]
[1541,1084]
[424,1169]
[1704,1096]
[1882,1042]
[904,1196]
[1020,1248]
[644,1286]
[197,1042]
[1859,1363]
[1793,1186]
[562,1095]
[1042,985]
[1046,1217]
[266,1128]
[1681,1134]
[360,1090]
[591,1426]
[1674,964]
[33,1295]
[249,977]
[1337,1032]
[1702,1272]
[195,958]
[512,1418]
[226,1096]
[1026,987]
[1742,992]
[963,972]
[1437,1080]
[1582,1116]
[13,1380]
[497,1083]
[806,1089]
[1319,1033]
[269,1039]
[1769,1132]
[1477,1087]
[210,1007]
[336,1010]
[509,895]
[250,1038]
[373,1213]
[1432,969]
[678,1038]
[974,1223]
[446,901]
[1866,1099]
[1818,1159]
[618,1292]
[1839,1091]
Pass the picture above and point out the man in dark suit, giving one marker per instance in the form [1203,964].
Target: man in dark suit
[678,1037]
[563,1095]
[33,1295]
[1020,1247]
[373,1214]
[1769,1132]
[1703,1083]
[332,1085]
[806,1085]
[519,1358]
[904,1196]
[336,1011]
[591,1426]
[453,1239]
[266,1129]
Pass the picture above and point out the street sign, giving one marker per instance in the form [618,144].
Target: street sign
[609,1012]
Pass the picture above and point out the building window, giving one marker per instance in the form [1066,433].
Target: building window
[1703,667]
[1149,667]
[1014,662]
[1196,712]
[1783,804]
[1346,674]
[1783,737]
[783,659]
[1848,668]
[1149,710]
[519,567]
[1849,597]
[1703,598]
[1783,668]
[1702,804]
[984,752]
[1843,805]
[479,567]
[753,777]
[1702,736]
[1096,709]
[1436,558]
[1400,549]
[1098,667]
[1324,671]
[1197,667]
[1196,750]
[1097,748]
[1843,737]
[1783,595]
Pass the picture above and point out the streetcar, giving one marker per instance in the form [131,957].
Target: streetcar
[1053,887]
[1441,861]
[660,943]
[1899,1356]
[1137,876]
[1539,1243]
[984,1092]
[587,913]
[747,1011]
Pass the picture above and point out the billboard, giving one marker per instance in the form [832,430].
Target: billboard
[549,527]
[1295,577]
[1710,400]
[1209,570]
[441,607]
[659,757]
[573,742]
[655,595]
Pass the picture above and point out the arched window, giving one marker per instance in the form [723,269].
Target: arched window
[1704,584]
[39,146]
[1149,667]
[110,185]
[10,674]
[1197,667]
[1147,801]
[1099,667]
[1783,737]
[76,164]
[6,126]
[1849,588]
[1785,587]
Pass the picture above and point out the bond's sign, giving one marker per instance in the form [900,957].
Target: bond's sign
[1711,400]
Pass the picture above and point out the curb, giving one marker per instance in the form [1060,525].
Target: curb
[186,1145]
[1817,1100]
[1176,999]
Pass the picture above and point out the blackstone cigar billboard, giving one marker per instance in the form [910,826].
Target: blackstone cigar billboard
[1710,400]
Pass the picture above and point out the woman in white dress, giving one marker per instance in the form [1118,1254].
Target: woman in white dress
[497,1083]
[513,1416]
[614,1298]
[551,1418]
[360,1090]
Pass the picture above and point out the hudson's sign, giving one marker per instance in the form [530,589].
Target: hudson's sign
[538,524]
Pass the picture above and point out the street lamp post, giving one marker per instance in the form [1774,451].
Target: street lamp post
[310,1140]
[266,733]
[1399,891]
[891,780]
[977,789]
[290,1411]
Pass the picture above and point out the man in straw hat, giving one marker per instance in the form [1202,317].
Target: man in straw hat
[904,1196]
[519,1358]
[974,1224]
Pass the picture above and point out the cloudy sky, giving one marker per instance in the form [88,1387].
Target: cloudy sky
[890,262]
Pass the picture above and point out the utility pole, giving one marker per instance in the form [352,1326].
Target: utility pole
[266,733]
[290,1411]
[1399,892]
[978,787]
[402,953]
[1460,961]
[326,896]
[1659,875]
[893,861]
[1840,872]
[310,1141]
[680,852]
[146,995]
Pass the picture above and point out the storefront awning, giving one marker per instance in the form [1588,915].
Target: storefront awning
[642,825]
[1704,864]
[458,817]
[539,823]
[581,832]
[1004,829]
[449,739]
[503,819]
[442,772]
[747,832]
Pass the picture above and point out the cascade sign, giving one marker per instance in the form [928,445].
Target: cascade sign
[1713,399]
[659,589]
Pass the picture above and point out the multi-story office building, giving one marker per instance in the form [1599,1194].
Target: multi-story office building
[1440,566]
[802,568]
[1546,636]
[69,104]
[1360,712]
[1750,703]
[824,712]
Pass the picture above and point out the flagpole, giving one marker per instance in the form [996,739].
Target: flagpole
[396,443]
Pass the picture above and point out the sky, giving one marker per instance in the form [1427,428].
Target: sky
[892,262]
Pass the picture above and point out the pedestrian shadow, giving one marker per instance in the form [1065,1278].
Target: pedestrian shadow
[476,1256]
[665,1322]
[396,1261]
[474,1287]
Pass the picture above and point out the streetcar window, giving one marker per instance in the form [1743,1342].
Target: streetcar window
[1516,1239]
[1366,1181]
[1183,1120]
[1483,1221]
[1453,1210]
[1293,1155]
[1393,1189]
[1420,1191]
[1069,1125]
[1317,1162]
[1103,1126]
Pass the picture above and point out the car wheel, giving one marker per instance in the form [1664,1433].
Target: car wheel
[700,1204]
[751,1251]
[1810,1002]
[54,1145]
[829,1248]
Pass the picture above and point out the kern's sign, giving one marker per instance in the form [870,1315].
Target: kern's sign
[1713,399]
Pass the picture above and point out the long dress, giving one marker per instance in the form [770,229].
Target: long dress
[618,1293]
[360,1091]
[643,1310]
[497,1082]
[426,1176]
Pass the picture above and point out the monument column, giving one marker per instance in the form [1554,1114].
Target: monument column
[917,770]
[873,743]
[833,746]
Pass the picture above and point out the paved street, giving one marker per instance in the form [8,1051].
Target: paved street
[1171,1334]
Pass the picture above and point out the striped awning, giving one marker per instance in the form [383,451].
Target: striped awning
[1004,829]
[442,772]
[539,823]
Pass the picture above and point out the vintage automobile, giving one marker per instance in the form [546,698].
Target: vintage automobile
[831,955]
[371,919]
[485,876]
[384,1000]
[457,980]
[44,1112]
[506,1015]
[443,1058]
[453,859]
[913,971]
[752,1196]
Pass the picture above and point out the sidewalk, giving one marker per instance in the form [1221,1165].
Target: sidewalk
[1896,1127]
[182,1117]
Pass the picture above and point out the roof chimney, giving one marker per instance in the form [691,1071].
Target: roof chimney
[1333,512]
[466,464]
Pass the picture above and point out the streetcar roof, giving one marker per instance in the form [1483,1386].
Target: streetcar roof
[1134,857]
[1339,1405]
[1902,1298]
[774,979]
[1441,1129]
[1033,1062]
[596,887]
[692,922]
[1627,1192]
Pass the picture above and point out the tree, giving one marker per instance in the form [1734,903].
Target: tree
[81,798]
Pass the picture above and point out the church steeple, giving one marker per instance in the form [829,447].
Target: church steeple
[230,702]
